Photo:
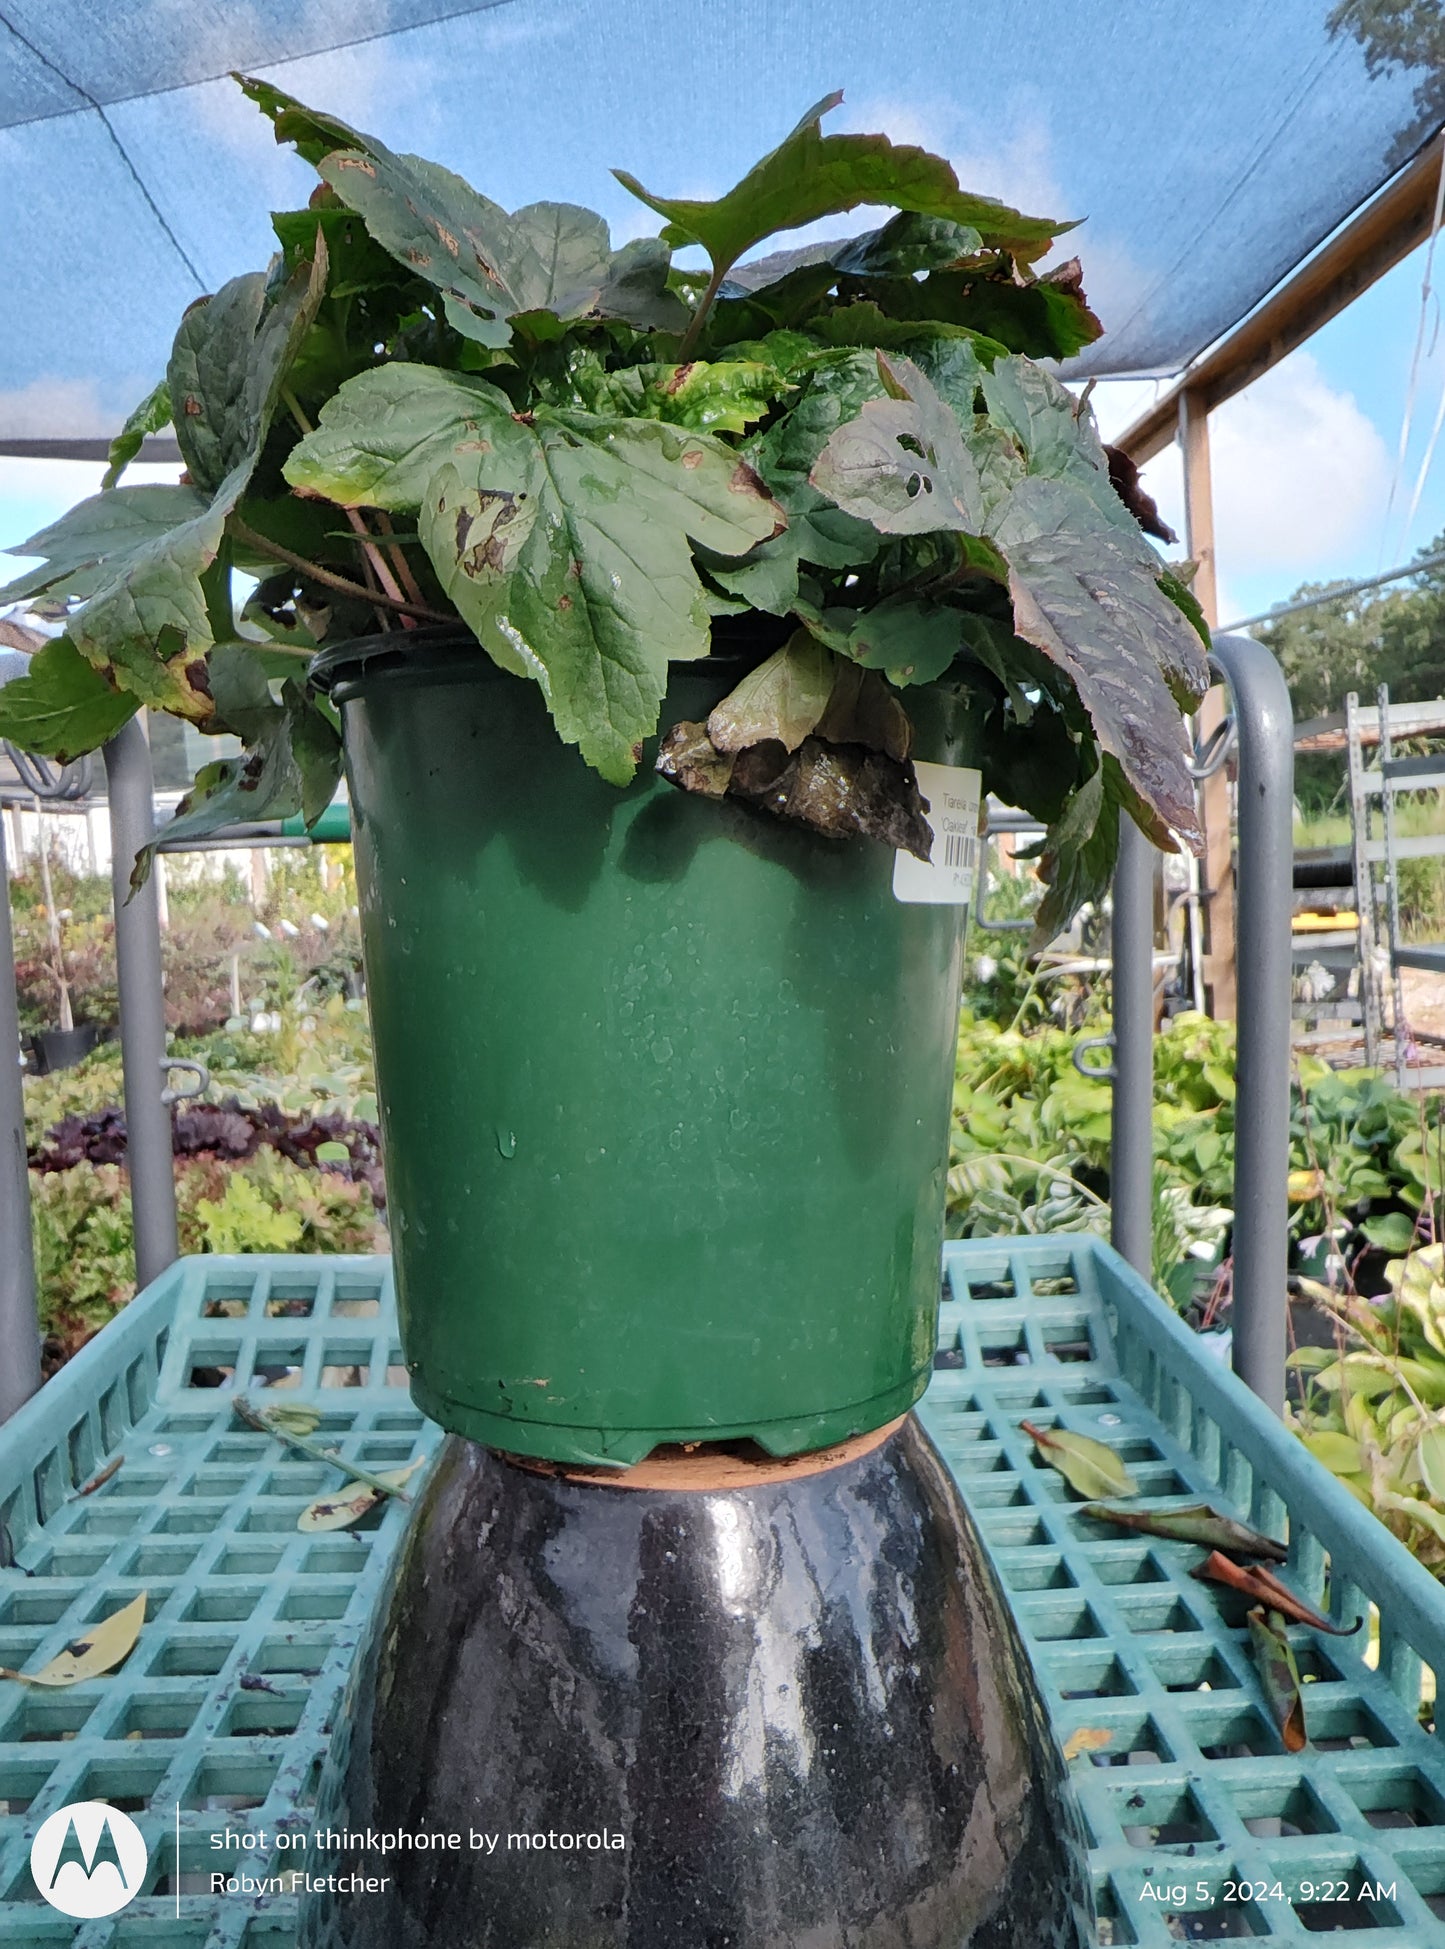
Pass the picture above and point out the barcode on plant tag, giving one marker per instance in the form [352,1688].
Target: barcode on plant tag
[946,877]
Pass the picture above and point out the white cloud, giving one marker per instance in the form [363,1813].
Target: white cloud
[61,409]
[1299,474]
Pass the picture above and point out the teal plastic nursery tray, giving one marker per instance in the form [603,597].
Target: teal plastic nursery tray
[213,1729]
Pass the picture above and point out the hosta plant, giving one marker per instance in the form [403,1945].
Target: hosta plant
[1373,1407]
[844,463]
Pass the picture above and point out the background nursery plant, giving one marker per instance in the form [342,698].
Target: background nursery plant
[429,410]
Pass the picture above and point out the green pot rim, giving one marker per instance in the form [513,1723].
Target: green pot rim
[451,650]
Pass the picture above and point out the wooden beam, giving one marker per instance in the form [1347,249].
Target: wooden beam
[1217,869]
[1372,242]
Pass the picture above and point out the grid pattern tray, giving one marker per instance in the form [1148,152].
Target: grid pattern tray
[226,1703]
[1201,1825]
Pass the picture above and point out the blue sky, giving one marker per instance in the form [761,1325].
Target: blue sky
[1307,480]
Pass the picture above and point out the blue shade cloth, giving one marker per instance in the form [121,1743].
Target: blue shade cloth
[1210,148]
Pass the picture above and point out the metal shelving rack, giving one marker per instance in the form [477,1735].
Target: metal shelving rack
[1383,954]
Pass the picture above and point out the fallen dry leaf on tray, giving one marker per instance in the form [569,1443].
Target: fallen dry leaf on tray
[1085,1464]
[1087,1739]
[97,1651]
[343,1507]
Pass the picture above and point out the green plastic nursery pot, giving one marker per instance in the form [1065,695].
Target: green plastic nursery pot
[664,1082]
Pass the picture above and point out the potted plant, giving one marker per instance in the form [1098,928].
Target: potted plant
[671,620]
[68,1041]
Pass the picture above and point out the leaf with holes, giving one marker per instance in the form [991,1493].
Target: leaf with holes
[903,464]
[1043,318]
[817,531]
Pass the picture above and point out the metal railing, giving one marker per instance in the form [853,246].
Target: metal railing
[1264,729]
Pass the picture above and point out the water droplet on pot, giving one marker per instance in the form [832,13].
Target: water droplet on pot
[506,1142]
[1110,1420]
[159,1448]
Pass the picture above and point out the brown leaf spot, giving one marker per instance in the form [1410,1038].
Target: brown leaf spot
[564,602]
[472,446]
[193,407]
[692,458]
[446,238]
[199,677]
[355,162]
[679,378]
[1068,276]
[490,519]
[415,256]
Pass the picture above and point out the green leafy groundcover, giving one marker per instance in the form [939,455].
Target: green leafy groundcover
[429,409]
[1030,1152]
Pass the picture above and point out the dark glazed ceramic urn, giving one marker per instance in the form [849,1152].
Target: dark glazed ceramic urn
[776,1705]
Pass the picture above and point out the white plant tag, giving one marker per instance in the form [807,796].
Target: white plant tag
[946,877]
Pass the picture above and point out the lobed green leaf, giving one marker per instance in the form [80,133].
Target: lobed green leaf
[811,175]
[62,706]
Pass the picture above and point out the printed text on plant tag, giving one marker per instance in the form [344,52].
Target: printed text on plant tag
[946,877]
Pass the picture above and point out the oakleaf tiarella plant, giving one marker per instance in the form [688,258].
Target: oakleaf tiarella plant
[841,460]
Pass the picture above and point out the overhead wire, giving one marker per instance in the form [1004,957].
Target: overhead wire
[1336,593]
[258,60]
[120,148]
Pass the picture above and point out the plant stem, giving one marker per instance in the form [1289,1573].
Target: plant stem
[253,1418]
[699,317]
[216,588]
[57,950]
[263,545]
[385,579]
[398,558]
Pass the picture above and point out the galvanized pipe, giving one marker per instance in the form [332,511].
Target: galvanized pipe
[131,792]
[19,1325]
[1263,907]
[1131,1136]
